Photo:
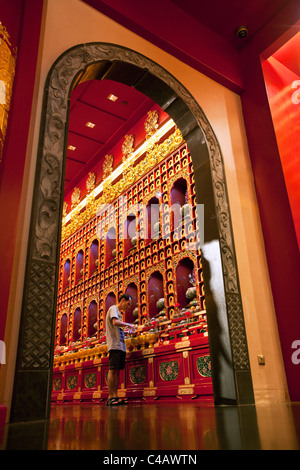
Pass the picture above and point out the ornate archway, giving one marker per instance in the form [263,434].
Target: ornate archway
[231,373]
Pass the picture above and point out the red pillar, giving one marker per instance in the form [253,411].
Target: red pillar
[22,19]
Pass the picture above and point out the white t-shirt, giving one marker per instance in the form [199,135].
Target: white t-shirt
[115,338]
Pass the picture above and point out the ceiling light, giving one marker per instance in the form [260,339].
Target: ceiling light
[71,147]
[112,97]
[90,124]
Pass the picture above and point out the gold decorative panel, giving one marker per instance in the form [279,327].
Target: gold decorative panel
[7,73]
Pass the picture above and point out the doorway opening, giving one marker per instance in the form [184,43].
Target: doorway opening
[231,373]
[130,224]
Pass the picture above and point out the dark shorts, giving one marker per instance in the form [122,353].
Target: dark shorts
[116,359]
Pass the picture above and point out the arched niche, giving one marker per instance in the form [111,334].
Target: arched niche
[184,273]
[231,374]
[92,319]
[79,266]
[66,274]
[130,233]
[131,290]
[77,324]
[178,198]
[63,332]
[109,301]
[155,292]
[110,253]
[93,256]
[152,219]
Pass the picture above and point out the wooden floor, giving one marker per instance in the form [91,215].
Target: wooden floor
[160,426]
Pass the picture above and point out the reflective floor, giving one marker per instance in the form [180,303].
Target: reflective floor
[159,426]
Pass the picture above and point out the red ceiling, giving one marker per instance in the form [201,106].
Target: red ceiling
[225,17]
[200,33]
[89,102]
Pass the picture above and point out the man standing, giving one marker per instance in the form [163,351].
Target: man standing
[116,346]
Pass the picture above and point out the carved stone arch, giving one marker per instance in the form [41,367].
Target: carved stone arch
[229,352]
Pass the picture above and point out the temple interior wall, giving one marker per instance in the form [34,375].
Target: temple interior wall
[67,23]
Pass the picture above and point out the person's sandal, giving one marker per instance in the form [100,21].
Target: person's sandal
[112,402]
[122,401]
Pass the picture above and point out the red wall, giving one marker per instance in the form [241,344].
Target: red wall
[22,19]
[285,108]
[278,227]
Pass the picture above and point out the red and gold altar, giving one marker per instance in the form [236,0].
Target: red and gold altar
[137,232]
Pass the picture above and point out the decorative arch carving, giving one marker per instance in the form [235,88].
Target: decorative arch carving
[39,300]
